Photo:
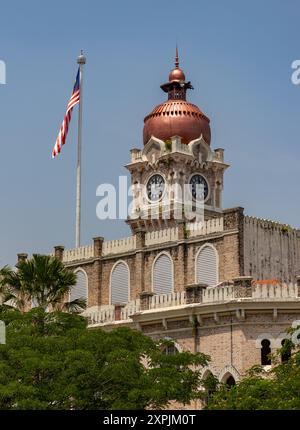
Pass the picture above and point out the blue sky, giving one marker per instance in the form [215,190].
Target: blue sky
[238,57]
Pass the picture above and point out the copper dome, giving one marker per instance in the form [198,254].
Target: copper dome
[176,116]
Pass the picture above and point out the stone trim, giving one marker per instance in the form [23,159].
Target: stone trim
[205,327]
[229,369]
[267,336]
[208,310]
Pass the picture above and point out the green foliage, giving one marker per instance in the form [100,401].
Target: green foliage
[210,385]
[52,361]
[168,145]
[43,279]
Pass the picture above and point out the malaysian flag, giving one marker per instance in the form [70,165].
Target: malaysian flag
[74,100]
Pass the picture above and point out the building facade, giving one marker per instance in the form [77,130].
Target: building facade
[225,285]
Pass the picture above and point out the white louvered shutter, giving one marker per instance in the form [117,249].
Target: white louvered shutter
[79,291]
[120,284]
[207,266]
[162,275]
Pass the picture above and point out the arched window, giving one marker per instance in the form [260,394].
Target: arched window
[230,381]
[207,266]
[265,351]
[170,350]
[229,375]
[162,274]
[286,350]
[80,290]
[119,284]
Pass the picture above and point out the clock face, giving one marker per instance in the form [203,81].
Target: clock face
[198,187]
[155,187]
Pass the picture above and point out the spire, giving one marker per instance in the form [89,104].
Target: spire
[176,58]
[177,86]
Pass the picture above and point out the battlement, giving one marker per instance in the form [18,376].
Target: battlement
[270,248]
[208,300]
[119,245]
[175,146]
[269,224]
[156,237]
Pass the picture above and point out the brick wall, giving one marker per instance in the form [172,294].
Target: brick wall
[230,343]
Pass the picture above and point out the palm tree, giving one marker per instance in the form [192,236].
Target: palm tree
[42,280]
[6,295]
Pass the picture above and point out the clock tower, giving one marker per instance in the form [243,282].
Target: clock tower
[176,177]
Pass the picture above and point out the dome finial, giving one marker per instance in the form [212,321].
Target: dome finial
[176,74]
[176,58]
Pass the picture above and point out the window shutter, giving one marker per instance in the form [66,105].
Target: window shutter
[207,266]
[79,291]
[119,284]
[162,275]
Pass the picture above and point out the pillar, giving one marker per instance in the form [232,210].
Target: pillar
[95,280]
[242,286]
[22,256]
[59,252]
[145,300]
[139,284]
[194,293]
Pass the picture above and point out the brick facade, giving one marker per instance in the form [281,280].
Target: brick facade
[140,262]
[229,331]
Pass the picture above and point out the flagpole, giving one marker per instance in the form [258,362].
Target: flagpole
[81,60]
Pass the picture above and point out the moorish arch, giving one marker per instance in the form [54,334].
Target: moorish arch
[279,339]
[119,283]
[80,289]
[163,274]
[267,336]
[207,265]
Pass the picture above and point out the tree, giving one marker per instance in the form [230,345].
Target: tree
[60,364]
[43,280]
[5,292]
[276,389]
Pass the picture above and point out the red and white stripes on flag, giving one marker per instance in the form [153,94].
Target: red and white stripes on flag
[74,100]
